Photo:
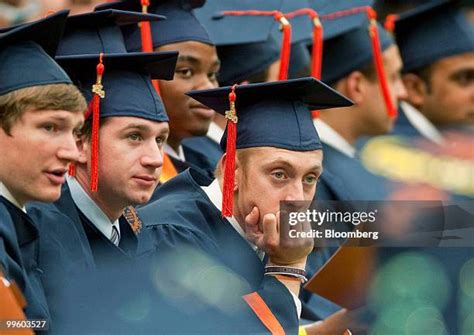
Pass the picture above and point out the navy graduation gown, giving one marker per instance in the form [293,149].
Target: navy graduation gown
[183,217]
[345,178]
[206,146]
[19,257]
[90,246]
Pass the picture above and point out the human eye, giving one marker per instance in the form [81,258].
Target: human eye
[160,140]
[464,78]
[184,72]
[50,127]
[279,175]
[135,137]
[310,179]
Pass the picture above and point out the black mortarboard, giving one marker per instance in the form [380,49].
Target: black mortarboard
[181,25]
[26,51]
[433,31]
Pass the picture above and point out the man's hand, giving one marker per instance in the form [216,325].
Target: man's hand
[274,239]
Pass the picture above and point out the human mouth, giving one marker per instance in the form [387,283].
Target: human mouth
[56,176]
[145,180]
[202,111]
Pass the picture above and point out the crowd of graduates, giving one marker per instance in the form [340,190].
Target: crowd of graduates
[146,147]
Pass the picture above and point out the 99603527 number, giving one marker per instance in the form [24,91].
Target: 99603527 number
[24,324]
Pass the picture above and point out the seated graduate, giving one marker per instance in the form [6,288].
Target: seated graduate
[120,152]
[40,113]
[197,68]
[278,157]
[438,79]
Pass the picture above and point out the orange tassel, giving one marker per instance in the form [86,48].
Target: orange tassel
[229,171]
[377,51]
[99,93]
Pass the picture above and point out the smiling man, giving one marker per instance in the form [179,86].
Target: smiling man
[40,114]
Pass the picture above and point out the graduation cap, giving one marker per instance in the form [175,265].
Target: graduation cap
[121,86]
[433,31]
[274,114]
[98,32]
[181,25]
[120,81]
[353,39]
[255,21]
[26,51]
[245,51]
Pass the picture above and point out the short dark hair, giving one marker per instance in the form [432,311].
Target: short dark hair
[424,73]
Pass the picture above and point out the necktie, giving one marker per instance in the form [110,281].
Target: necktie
[115,236]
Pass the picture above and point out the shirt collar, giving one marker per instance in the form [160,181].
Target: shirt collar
[215,132]
[214,193]
[4,192]
[421,123]
[178,155]
[89,208]
[332,138]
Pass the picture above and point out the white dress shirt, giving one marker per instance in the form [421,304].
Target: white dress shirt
[215,132]
[332,138]
[178,155]
[4,192]
[89,208]
[421,123]
[214,193]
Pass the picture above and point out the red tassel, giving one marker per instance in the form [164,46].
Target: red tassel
[72,170]
[317,55]
[286,30]
[317,49]
[229,170]
[389,24]
[377,51]
[99,93]
[147,39]
[285,48]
